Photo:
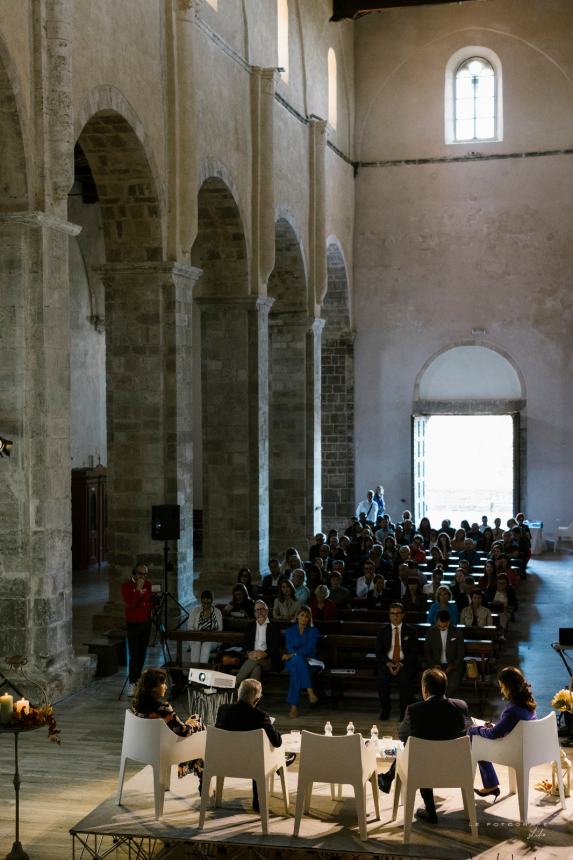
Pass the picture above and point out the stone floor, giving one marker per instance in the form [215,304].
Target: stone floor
[61,785]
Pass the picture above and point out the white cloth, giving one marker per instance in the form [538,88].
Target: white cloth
[363,586]
[444,635]
[368,508]
[261,636]
[391,651]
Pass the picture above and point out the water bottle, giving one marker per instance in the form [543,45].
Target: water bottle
[328,729]
[350,728]
[374,734]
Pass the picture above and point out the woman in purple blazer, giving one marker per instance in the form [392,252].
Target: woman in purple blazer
[515,689]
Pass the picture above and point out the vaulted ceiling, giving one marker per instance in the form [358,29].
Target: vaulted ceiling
[355,8]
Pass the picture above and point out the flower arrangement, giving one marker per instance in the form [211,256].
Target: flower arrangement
[42,716]
[22,712]
[563,700]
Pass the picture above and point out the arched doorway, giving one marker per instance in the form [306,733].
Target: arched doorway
[468,435]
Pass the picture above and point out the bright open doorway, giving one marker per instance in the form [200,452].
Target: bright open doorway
[464,467]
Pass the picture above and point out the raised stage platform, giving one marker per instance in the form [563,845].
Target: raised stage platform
[329,832]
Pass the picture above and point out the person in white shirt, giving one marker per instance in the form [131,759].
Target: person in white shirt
[368,507]
[476,615]
[365,583]
[261,644]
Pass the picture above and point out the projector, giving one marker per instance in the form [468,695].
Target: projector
[210,678]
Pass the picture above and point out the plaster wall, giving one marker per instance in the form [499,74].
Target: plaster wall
[99,41]
[339,205]
[15,35]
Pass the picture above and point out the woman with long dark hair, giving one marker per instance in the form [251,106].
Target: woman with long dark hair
[517,692]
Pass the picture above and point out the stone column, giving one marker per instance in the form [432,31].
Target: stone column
[313,428]
[148,376]
[337,427]
[35,518]
[234,383]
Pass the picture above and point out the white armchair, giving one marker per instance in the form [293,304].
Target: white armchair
[247,755]
[339,760]
[563,533]
[434,764]
[530,743]
[152,742]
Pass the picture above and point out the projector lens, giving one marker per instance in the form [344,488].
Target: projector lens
[202,676]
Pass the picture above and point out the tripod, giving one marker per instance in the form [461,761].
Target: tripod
[160,612]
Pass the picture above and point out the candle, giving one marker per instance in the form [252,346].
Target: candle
[22,705]
[6,702]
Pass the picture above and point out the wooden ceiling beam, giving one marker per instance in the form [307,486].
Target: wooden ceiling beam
[342,9]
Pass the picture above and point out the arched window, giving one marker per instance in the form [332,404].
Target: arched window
[475,100]
[282,37]
[473,96]
[332,89]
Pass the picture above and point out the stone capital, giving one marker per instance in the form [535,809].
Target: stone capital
[117,273]
[41,219]
[261,304]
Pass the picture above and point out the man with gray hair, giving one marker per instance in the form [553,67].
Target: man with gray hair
[245,716]
[261,645]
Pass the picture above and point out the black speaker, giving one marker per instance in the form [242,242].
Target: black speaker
[165,522]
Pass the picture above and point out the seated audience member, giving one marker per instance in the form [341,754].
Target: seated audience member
[390,549]
[435,718]
[409,531]
[150,703]
[241,605]
[465,526]
[204,617]
[447,528]
[270,583]
[484,524]
[301,640]
[503,600]
[417,550]
[469,553]
[341,553]
[414,599]
[488,579]
[333,543]
[457,586]
[261,643]
[464,565]
[286,605]
[464,592]
[407,518]
[485,543]
[383,529]
[322,608]
[381,565]
[324,555]
[442,603]
[476,615]
[515,690]
[430,588]
[246,716]
[245,576]
[399,536]
[444,545]
[353,529]
[445,649]
[523,548]
[502,565]
[365,583]
[405,571]
[339,595]
[368,507]
[301,590]
[380,597]
[314,550]
[397,660]
[458,540]
[509,545]
[402,557]
[361,550]
[497,529]
[433,541]
[424,529]
[291,562]
[315,575]
[436,558]
[475,533]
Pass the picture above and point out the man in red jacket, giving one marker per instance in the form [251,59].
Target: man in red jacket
[136,595]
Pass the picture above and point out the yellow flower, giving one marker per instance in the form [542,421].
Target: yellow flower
[563,700]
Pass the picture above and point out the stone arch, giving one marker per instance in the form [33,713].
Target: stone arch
[289,328]
[492,377]
[115,146]
[229,428]
[13,164]
[220,248]
[337,382]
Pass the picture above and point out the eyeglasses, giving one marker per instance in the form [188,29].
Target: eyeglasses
[261,609]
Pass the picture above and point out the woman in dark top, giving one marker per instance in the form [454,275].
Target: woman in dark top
[485,543]
[244,577]
[424,529]
[444,544]
[517,692]
[150,703]
[241,605]
[436,559]
[414,600]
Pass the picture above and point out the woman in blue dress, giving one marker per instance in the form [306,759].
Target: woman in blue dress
[443,601]
[300,642]
[515,689]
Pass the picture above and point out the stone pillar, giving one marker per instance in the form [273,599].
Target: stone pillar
[149,419]
[338,497]
[234,383]
[294,437]
[35,516]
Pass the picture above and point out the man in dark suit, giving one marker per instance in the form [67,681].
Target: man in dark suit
[436,718]
[397,656]
[244,716]
[445,648]
[262,645]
